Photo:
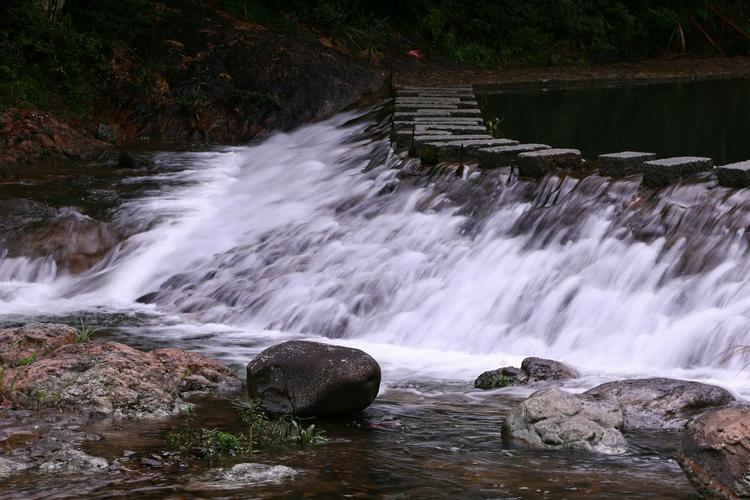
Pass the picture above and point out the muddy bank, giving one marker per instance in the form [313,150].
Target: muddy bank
[439,72]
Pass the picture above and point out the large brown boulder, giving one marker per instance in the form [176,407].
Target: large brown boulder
[715,453]
[662,403]
[313,379]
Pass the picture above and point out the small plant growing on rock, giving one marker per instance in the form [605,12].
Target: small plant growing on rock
[494,127]
[27,360]
[84,333]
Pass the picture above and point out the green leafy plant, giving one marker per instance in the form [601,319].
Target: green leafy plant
[306,436]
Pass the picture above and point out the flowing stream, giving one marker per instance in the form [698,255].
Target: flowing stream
[323,234]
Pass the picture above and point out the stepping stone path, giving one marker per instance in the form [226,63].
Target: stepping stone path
[659,173]
[623,163]
[445,124]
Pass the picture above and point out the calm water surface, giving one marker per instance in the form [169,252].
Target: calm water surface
[705,118]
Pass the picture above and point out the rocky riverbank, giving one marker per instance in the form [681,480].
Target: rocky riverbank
[197,75]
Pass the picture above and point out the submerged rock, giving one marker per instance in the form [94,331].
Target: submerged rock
[552,418]
[533,370]
[313,379]
[715,453]
[257,473]
[72,460]
[661,403]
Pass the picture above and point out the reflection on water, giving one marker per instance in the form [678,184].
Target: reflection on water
[706,118]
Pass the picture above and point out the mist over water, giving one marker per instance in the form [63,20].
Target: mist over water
[319,233]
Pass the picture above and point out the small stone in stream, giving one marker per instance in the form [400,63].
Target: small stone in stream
[502,377]
[623,163]
[660,173]
[552,418]
[736,175]
[9,467]
[72,460]
[715,453]
[257,473]
[313,379]
[540,369]
[661,403]
[128,453]
[546,161]
[157,464]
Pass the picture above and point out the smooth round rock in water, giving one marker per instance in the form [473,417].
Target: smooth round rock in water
[662,403]
[715,453]
[313,379]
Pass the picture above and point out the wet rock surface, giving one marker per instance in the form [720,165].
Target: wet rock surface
[30,135]
[313,379]
[112,378]
[661,402]
[552,418]
[715,453]
[533,371]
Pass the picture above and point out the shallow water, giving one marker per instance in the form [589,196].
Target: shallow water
[319,234]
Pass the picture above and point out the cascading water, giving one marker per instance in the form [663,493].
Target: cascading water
[319,232]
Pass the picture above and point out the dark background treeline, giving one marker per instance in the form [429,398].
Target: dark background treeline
[50,53]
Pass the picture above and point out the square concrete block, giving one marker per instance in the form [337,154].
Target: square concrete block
[450,150]
[659,173]
[736,175]
[502,156]
[542,162]
[623,163]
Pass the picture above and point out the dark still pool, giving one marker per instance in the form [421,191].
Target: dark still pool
[707,118]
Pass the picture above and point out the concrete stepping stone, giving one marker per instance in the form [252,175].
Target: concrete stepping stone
[450,150]
[542,162]
[659,173]
[623,163]
[736,175]
[417,106]
[431,103]
[501,156]
[445,113]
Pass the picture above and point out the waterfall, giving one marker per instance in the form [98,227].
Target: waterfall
[320,232]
